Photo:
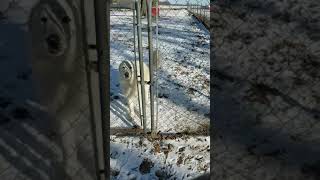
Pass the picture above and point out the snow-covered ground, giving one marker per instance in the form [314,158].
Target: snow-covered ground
[139,158]
[183,76]
[183,95]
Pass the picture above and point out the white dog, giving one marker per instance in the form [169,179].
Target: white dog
[128,83]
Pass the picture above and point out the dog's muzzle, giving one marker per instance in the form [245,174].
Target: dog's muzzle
[126,75]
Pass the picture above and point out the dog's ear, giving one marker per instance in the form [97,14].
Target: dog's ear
[124,65]
[130,65]
[121,66]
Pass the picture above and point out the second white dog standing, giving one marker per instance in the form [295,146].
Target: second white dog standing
[128,83]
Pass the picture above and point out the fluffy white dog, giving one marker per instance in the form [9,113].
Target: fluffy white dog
[128,83]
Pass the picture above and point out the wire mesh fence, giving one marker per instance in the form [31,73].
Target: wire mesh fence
[201,11]
[266,89]
[181,73]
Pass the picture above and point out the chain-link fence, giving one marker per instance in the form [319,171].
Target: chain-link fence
[266,89]
[201,11]
[181,77]
[45,121]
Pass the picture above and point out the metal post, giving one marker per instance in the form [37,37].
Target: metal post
[102,27]
[135,56]
[89,85]
[143,98]
[151,64]
[157,64]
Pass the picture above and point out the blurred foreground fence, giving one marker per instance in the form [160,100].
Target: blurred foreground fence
[266,84]
[50,116]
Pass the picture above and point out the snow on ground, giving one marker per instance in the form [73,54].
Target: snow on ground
[139,158]
[183,85]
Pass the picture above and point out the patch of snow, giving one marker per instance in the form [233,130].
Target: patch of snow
[132,157]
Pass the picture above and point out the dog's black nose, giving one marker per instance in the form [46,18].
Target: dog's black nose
[126,74]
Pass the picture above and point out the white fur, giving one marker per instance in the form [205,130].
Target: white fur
[129,84]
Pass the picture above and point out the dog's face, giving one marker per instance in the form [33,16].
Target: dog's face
[126,70]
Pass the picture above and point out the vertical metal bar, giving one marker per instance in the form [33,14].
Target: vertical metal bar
[157,63]
[143,98]
[89,85]
[151,64]
[102,27]
[135,58]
